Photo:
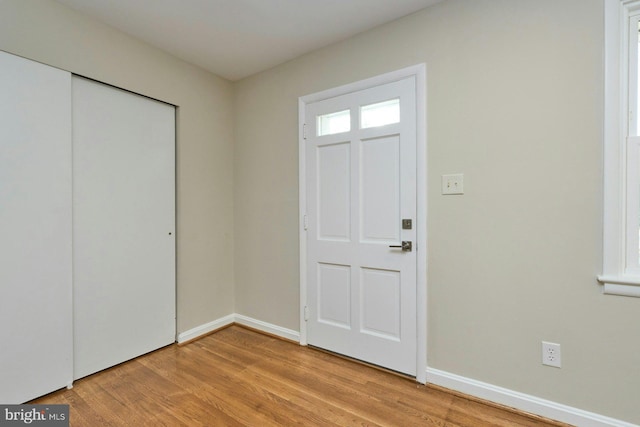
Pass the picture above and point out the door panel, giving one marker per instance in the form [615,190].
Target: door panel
[124,216]
[360,185]
[334,190]
[380,189]
[35,225]
[334,290]
[381,303]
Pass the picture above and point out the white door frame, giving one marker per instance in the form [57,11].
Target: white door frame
[419,72]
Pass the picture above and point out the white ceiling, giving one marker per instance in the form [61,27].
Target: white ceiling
[237,38]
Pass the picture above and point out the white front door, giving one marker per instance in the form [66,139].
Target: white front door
[361,206]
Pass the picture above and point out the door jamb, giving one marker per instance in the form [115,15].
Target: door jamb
[419,72]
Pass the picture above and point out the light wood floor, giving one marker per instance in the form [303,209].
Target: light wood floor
[237,377]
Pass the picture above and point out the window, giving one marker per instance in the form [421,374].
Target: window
[380,114]
[332,123]
[621,258]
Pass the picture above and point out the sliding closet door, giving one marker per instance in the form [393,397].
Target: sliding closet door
[123,225]
[35,229]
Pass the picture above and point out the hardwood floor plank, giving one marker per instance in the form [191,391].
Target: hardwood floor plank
[238,377]
[215,379]
[341,393]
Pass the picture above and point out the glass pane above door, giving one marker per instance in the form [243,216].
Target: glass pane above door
[329,124]
[380,113]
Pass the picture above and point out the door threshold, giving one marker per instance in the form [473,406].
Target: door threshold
[362,362]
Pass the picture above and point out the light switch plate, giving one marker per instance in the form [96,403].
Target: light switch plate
[452,184]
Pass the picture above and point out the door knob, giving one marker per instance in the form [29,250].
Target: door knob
[406,246]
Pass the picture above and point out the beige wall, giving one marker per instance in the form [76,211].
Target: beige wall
[515,103]
[53,34]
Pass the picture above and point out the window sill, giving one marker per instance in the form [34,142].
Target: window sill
[628,286]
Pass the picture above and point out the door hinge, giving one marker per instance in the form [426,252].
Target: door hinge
[306,313]
[305,222]
[304,131]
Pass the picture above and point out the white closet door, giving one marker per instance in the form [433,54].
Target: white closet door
[123,225]
[35,229]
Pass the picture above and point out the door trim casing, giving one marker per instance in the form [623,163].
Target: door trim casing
[419,73]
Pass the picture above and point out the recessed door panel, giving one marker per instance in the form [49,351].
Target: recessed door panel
[334,295]
[380,189]
[380,302]
[334,192]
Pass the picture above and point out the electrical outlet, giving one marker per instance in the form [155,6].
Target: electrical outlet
[551,355]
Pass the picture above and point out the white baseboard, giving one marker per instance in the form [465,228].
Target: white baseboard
[521,401]
[201,330]
[198,331]
[268,328]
